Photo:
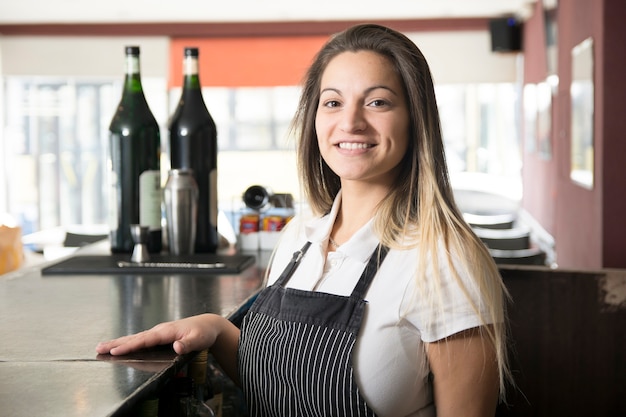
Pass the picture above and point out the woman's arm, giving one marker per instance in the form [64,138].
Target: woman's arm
[187,335]
[465,372]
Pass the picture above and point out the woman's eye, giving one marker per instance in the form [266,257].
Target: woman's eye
[378,103]
[331,103]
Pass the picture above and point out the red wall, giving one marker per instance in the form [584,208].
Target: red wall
[538,173]
[247,61]
[589,226]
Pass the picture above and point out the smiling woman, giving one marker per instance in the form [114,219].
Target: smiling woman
[401,200]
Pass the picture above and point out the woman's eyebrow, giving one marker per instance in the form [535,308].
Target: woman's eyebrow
[367,90]
[384,87]
[331,90]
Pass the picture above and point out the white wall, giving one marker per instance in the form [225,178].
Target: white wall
[85,56]
[465,57]
[459,57]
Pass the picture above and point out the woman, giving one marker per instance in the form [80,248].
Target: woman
[385,302]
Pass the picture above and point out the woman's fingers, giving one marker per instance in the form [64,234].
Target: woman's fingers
[186,335]
[161,334]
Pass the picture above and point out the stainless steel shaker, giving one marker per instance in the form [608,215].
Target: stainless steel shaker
[181,209]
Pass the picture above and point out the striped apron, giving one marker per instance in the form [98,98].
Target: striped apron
[295,349]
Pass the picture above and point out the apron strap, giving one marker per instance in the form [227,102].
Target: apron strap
[377,258]
[291,266]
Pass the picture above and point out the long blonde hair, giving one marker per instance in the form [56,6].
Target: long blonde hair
[420,207]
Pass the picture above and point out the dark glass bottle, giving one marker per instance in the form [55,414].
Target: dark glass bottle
[135,176]
[193,145]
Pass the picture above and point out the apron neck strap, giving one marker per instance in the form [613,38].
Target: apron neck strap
[291,267]
[377,258]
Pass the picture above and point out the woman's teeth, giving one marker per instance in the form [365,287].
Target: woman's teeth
[354,145]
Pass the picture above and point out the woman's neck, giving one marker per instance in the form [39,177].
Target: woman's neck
[358,206]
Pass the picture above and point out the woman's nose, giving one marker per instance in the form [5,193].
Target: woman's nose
[353,119]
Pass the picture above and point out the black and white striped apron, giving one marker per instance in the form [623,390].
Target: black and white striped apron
[295,349]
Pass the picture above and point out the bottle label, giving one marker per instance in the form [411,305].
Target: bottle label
[213,197]
[113,212]
[132,65]
[150,199]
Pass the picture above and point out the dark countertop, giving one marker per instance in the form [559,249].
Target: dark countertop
[50,325]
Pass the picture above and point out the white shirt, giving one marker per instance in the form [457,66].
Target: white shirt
[391,372]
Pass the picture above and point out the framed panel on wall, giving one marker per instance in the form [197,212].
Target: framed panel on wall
[530,117]
[544,119]
[538,119]
[550,10]
[582,115]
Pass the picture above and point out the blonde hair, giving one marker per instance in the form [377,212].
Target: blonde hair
[420,206]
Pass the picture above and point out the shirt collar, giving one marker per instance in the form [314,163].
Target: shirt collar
[361,244]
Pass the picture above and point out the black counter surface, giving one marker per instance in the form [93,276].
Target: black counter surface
[50,325]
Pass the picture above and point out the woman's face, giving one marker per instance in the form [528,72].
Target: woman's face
[362,119]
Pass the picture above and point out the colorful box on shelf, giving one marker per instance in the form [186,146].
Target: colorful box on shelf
[262,232]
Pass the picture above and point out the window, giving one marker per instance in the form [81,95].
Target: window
[55,145]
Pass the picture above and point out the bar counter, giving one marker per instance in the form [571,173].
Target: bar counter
[50,325]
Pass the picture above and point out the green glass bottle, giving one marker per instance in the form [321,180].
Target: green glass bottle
[193,145]
[134,164]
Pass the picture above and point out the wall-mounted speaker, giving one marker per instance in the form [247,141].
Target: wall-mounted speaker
[506,34]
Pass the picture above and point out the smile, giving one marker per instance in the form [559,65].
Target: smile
[354,145]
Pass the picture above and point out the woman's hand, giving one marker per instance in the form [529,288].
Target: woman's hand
[190,334]
[186,335]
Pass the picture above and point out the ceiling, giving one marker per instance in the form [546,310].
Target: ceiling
[127,11]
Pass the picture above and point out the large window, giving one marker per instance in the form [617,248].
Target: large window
[481,128]
[55,151]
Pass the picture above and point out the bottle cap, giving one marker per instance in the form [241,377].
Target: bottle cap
[189,51]
[198,367]
[132,50]
[202,356]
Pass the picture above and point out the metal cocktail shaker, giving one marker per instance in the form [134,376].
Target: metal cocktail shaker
[181,209]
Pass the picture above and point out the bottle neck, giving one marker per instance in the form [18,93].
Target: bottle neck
[133,79]
[132,65]
[190,71]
